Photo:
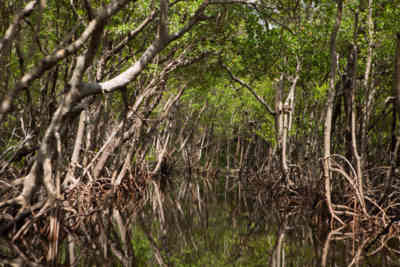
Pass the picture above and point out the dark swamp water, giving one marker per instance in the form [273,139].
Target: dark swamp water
[200,226]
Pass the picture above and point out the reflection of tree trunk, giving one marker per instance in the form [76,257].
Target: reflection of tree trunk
[54,236]
[71,249]
[128,258]
[357,256]
[278,254]
[326,247]
[157,251]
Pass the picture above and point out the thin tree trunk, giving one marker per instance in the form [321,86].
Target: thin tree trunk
[396,133]
[70,177]
[329,110]
[287,111]
[396,80]
[356,154]
[279,125]
[367,107]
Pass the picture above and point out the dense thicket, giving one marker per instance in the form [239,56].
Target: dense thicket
[159,111]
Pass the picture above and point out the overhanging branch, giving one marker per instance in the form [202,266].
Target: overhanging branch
[252,91]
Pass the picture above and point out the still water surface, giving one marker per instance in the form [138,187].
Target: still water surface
[215,233]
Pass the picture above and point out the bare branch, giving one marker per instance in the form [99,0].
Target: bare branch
[132,72]
[252,91]
[51,60]
[132,34]
[12,29]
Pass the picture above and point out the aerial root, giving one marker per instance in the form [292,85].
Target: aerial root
[19,200]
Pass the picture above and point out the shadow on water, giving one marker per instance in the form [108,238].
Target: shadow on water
[199,224]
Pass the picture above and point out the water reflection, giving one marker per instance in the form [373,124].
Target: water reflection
[216,236]
[198,227]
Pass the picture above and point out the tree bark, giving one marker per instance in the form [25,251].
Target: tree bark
[329,109]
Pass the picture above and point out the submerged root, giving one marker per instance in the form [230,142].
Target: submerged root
[79,206]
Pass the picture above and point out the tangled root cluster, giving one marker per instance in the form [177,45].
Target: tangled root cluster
[86,199]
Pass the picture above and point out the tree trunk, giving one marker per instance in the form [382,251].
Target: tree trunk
[329,109]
